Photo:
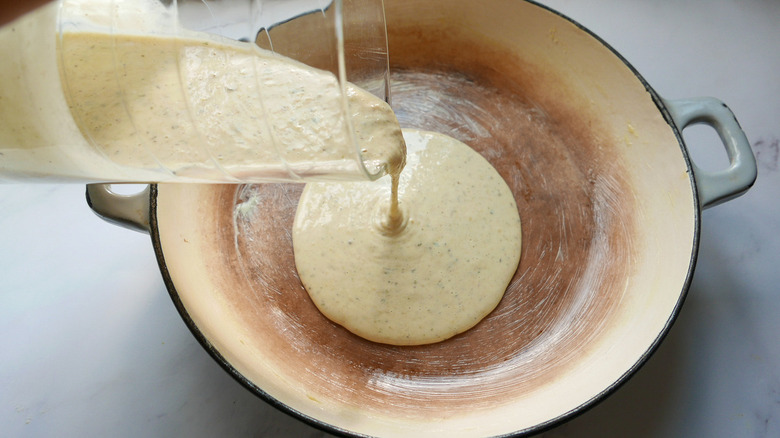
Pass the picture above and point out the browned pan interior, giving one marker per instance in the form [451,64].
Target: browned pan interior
[576,243]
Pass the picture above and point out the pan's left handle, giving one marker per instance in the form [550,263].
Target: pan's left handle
[718,186]
[128,211]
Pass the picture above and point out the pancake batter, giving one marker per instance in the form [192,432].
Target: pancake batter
[433,272]
[193,105]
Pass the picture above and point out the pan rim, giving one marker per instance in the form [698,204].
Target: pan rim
[549,424]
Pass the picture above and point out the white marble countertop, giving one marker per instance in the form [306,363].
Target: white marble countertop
[92,345]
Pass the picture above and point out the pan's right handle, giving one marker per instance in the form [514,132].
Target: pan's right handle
[128,211]
[719,186]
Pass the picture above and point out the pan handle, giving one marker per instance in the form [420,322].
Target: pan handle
[717,186]
[128,211]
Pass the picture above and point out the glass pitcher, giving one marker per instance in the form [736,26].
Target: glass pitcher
[190,91]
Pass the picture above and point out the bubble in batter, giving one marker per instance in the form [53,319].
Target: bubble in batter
[435,273]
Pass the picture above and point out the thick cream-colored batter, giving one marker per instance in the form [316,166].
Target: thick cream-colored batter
[437,272]
[196,106]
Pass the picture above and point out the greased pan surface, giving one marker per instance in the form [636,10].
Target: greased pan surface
[610,225]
